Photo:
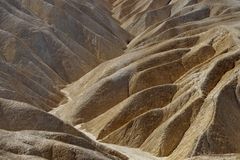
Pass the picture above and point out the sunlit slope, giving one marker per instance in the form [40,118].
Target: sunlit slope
[175,92]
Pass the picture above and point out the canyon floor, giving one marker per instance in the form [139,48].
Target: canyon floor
[119,79]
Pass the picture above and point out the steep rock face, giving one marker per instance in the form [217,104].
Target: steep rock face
[47,44]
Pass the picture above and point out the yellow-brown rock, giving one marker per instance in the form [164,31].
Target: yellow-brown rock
[150,79]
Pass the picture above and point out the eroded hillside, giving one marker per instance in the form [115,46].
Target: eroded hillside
[161,76]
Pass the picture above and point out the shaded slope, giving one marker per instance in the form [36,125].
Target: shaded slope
[46,44]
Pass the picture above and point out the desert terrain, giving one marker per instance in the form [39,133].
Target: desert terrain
[119,79]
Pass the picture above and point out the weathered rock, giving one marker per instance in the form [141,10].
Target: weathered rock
[189,46]
[162,77]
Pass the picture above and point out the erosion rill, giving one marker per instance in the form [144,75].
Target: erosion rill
[119,79]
